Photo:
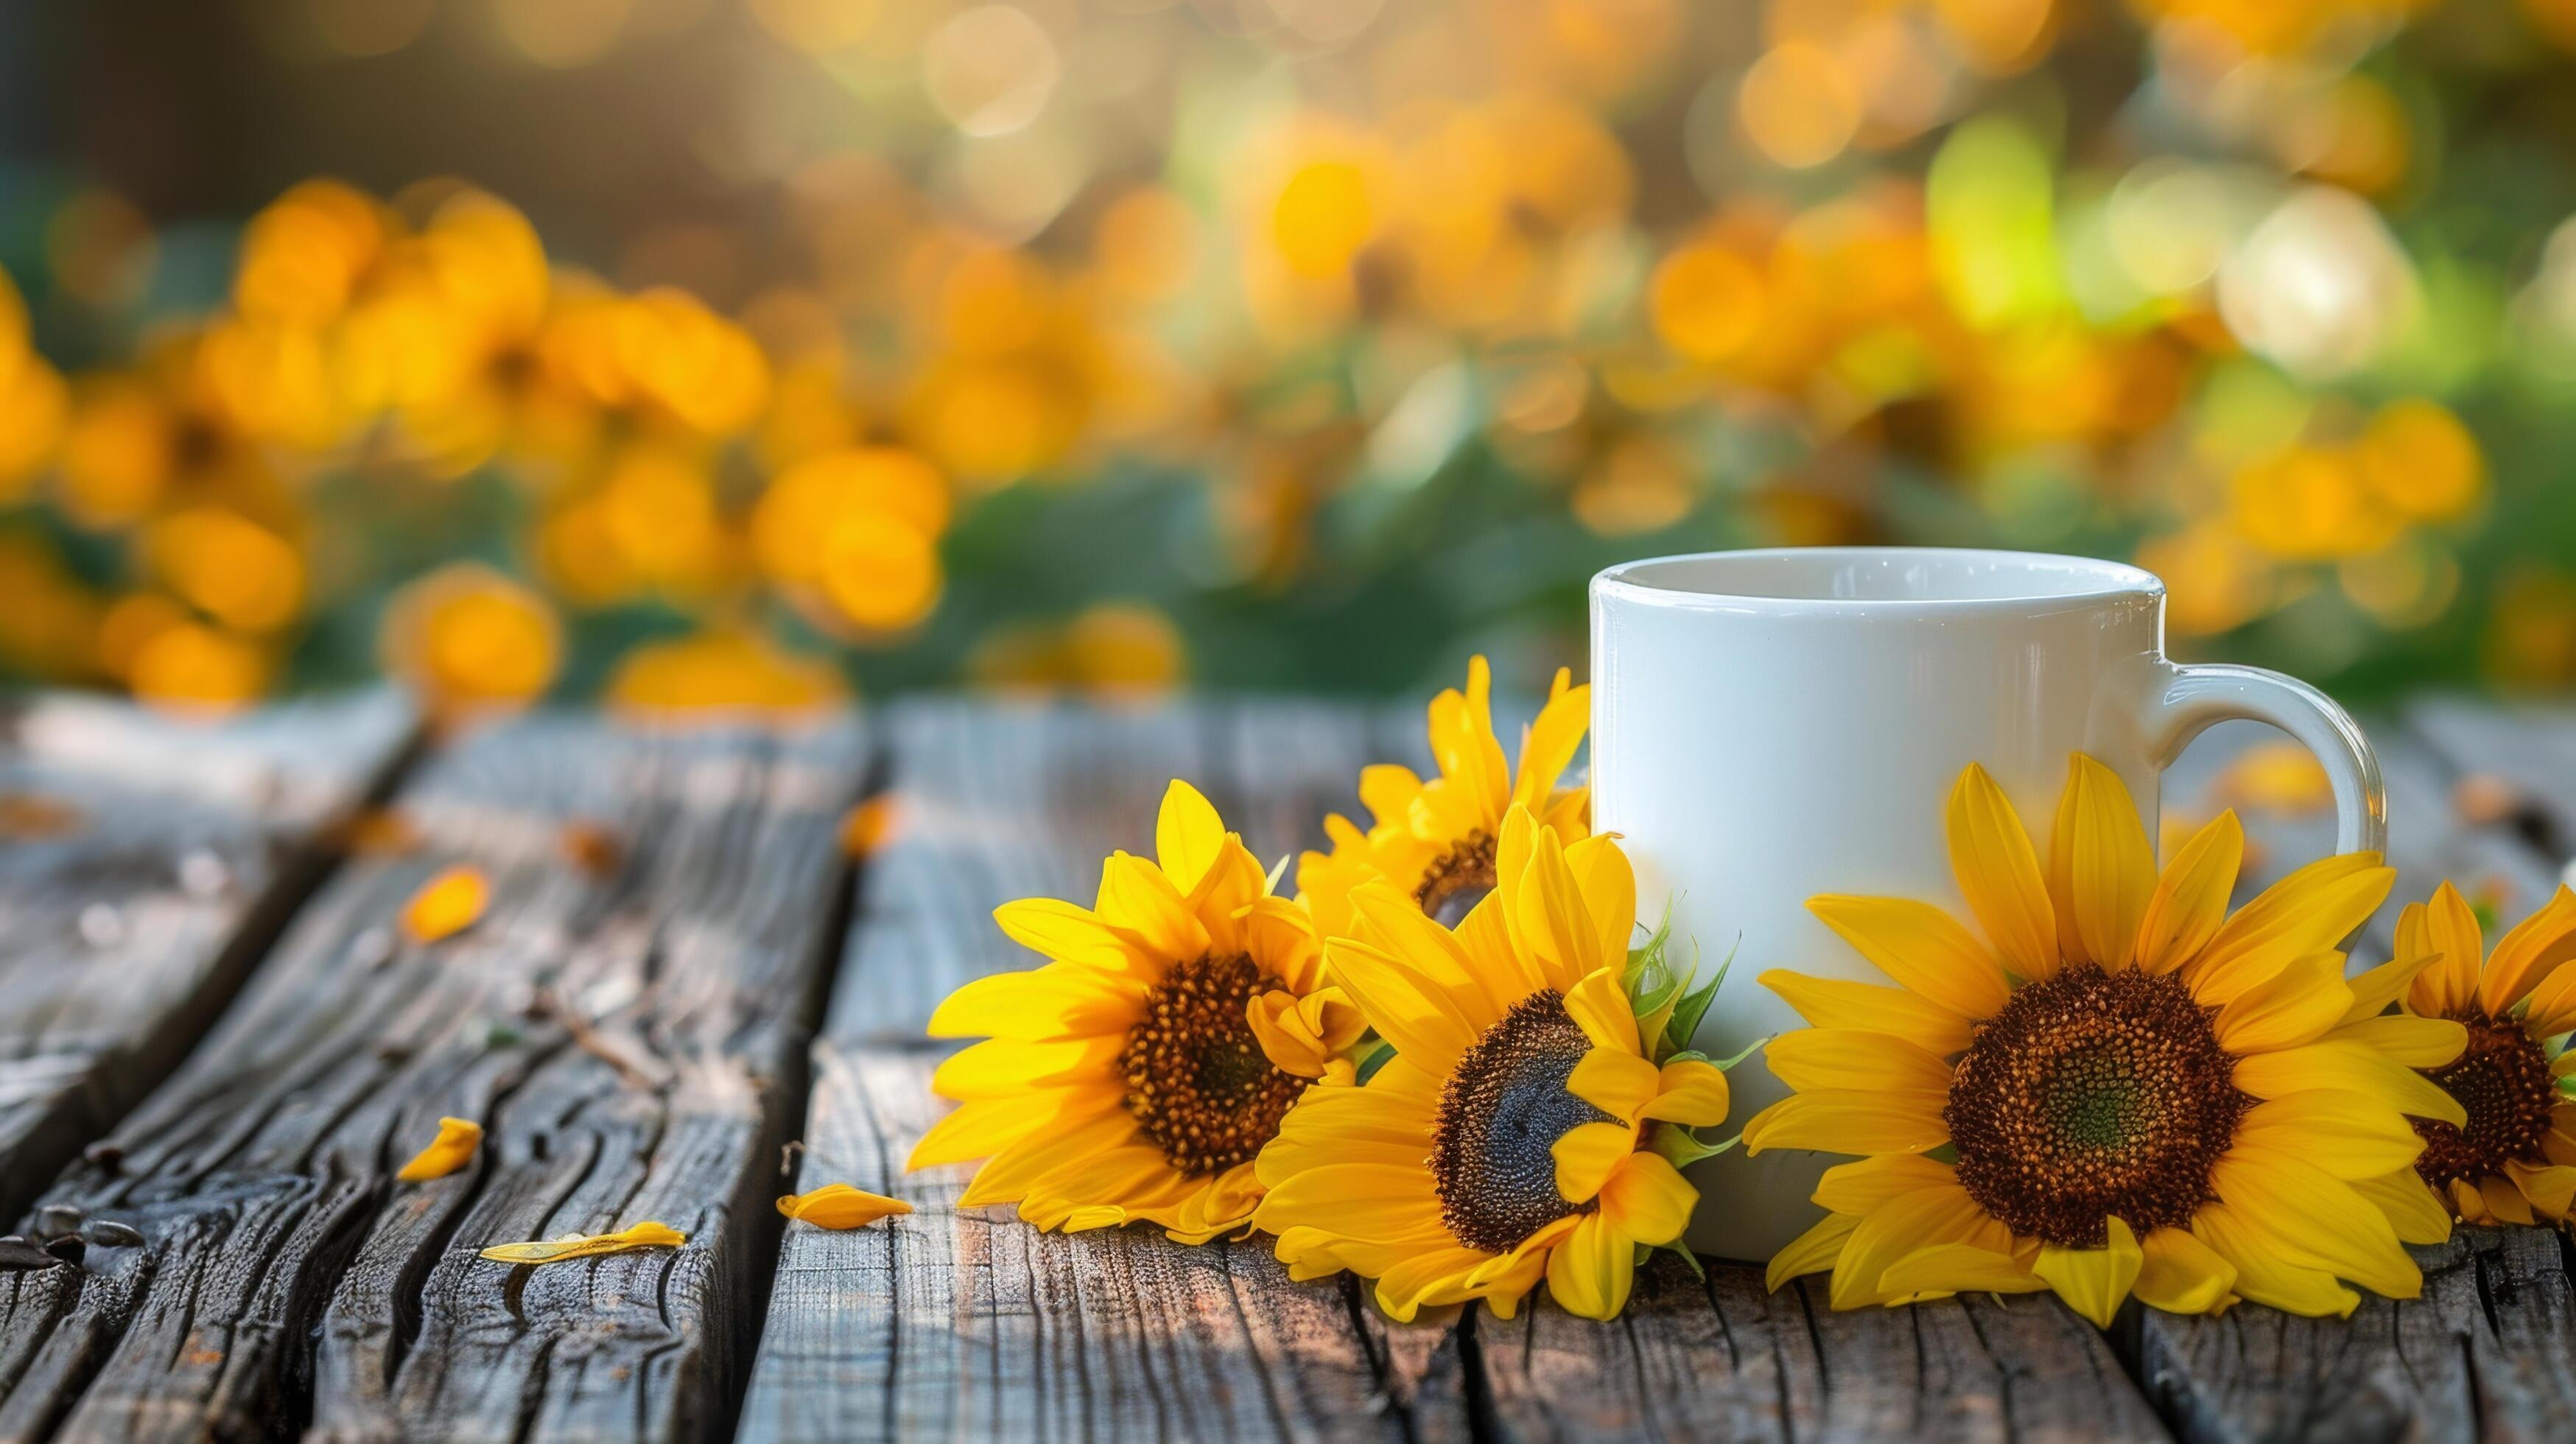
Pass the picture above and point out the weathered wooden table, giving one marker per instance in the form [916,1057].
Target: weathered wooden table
[211,1032]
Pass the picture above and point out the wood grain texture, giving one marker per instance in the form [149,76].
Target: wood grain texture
[628,1023]
[950,1323]
[145,862]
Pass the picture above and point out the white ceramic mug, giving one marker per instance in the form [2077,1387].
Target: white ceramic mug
[1770,725]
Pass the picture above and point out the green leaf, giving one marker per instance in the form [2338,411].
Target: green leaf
[1692,1006]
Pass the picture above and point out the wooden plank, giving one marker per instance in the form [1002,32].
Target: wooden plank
[1722,1358]
[950,1323]
[2486,1349]
[627,1020]
[970,1323]
[145,862]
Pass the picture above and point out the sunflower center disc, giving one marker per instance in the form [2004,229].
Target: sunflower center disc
[2502,1079]
[1500,1113]
[1197,1080]
[2089,1096]
[1453,886]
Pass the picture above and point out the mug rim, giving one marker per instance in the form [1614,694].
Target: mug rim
[2119,581]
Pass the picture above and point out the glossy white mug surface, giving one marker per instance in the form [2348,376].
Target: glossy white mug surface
[1770,725]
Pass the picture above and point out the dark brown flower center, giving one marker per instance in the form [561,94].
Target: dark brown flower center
[1500,1114]
[1452,887]
[1197,1080]
[2503,1080]
[2089,1096]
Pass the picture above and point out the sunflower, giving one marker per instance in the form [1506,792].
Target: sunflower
[1530,1119]
[2514,1159]
[1434,841]
[2121,1088]
[1135,1076]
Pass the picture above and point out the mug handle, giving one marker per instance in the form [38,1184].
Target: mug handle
[2183,701]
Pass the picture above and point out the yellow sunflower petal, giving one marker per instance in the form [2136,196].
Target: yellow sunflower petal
[446,905]
[2295,1005]
[1059,1000]
[1851,1120]
[1998,871]
[451,1150]
[1554,924]
[2181,1275]
[1187,834]
[1070,933]
[1615,1081]
[2311,911]
[2350,1067]
[1871,1008]
[1601,1008]
[838,1205]
[2263,1275]
[2505,1201]
[2415,1042]
[1607,884]
[2413,1209]
[2093,1281]
[1860,1188]
[2312,1219]
[983,1127]
[1590,1273]
[2551,1189]
[1436,959]
[1388,790]
[1922,948]
[1007,1175]
[2100,867]
[1905,1225]
[2346,1134]
[1422,1025]
[1957,1268]
[1007,1065]
[579,1245]
[2470,1204]
[1813,1058]
[2553,1004]
[2190,900]
[2531,951]
[2375,988]
[1689,1092]
[1648,1199]
[2445,924]
[1135,895]
[1812,1252]
[1587,1154]
[1548,748]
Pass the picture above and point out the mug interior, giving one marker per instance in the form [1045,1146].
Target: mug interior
[1883,574]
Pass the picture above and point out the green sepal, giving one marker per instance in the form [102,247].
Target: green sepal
[1681,1250]
[1370,1057]
[1693,1005]
[1681,1148]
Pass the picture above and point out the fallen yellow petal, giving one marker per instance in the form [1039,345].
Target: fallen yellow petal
[585,1245]
[451,1150]
[446,905]
[838,1205]
[869,826]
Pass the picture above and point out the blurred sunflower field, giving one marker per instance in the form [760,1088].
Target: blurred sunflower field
[730,354]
